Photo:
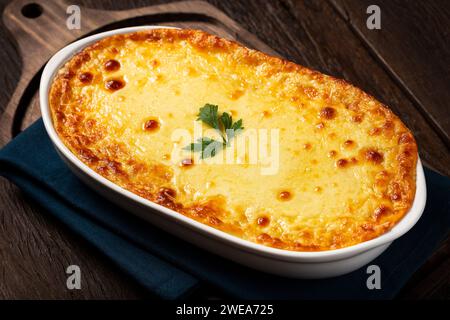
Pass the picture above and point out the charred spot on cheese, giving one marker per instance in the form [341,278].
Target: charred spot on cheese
[332,153]
[236,94]
[268,239]
[395,191]
[320,125]
[346,162]
[171,73]
[348,144]
[342,163]
[214,221]
[114,84]
[85,77]
[264,237]
[357,118]
[386,128]
[166,197]
[266,114]
[187,162]
[375,131]
[381,180]
[367,226]
[310,92]
[159,77]
[168,193]
[373,156]
[396,196]
[381,212]
[151,125]
[405,138]
[285,195]
[111,167]
[388,125]
[87,155]
[327,113]
[263,221]
[112,65]
[155,63]
[68,74]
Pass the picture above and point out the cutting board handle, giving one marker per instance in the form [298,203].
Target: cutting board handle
[39,29]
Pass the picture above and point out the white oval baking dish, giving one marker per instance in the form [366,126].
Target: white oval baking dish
[295,264]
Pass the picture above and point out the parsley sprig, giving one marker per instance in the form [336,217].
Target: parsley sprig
[224,124]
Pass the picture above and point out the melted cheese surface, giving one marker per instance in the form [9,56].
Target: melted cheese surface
[339,150]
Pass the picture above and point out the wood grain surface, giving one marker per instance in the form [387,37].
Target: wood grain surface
[404,65]
[419,63]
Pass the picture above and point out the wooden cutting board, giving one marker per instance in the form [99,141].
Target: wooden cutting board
[40,30]
[320,34]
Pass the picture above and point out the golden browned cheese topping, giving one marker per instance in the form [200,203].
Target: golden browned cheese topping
[346,169]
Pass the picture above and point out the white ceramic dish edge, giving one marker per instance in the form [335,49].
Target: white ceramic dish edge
[282,262]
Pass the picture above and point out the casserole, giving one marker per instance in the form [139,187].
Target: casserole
[282,262]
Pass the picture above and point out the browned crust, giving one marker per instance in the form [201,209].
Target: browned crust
[74,133]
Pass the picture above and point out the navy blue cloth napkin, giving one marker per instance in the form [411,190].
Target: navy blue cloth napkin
[172,268]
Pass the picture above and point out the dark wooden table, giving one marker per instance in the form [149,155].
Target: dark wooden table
[405,65]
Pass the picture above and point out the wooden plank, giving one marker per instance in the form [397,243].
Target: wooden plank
[35,251]
[432,281]
[415,52]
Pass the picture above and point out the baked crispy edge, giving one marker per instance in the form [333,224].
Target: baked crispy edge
[407,156]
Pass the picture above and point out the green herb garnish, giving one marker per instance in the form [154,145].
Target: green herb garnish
[208,115]
[224,124]
[207,146]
